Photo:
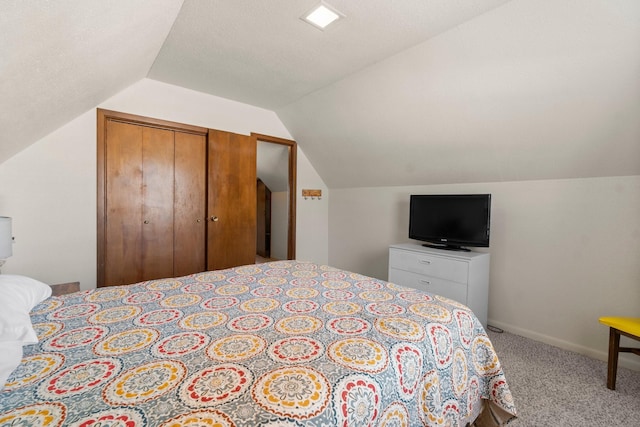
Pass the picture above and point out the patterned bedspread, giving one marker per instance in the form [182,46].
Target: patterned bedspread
[279,344]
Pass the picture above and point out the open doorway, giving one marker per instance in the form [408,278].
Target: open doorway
[276,191]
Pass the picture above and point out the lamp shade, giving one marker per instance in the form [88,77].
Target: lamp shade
[5,237]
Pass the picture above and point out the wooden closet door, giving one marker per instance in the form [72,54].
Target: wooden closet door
[139,203]
[123,203]
[190,204]
[157,203]
[231,230]
[151,198]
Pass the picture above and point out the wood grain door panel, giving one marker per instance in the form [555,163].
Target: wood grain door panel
[157,200]
[231,237]
[190,204]
[123,203]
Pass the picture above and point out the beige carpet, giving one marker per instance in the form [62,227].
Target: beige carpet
[555,387]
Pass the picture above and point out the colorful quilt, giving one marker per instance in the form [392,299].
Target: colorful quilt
[283,344]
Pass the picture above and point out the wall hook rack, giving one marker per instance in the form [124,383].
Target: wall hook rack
[314,194]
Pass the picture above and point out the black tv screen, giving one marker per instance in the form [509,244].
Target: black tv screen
[450,221]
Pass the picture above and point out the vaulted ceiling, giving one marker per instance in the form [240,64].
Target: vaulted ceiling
[397,93]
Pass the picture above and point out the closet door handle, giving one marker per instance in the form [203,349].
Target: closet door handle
[424,261]
[214,218]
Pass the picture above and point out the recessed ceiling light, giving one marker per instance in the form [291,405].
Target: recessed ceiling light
[321,15]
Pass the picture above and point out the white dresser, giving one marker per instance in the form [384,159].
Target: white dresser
[461,276]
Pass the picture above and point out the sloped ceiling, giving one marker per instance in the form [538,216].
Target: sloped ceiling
[533,90]
[261,53]
[59,59]
[398,93]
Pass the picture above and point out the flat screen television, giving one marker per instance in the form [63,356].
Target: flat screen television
[450,221]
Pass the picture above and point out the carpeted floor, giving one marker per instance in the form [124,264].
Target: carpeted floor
[555,387]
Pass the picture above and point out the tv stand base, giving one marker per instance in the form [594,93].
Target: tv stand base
[446,247]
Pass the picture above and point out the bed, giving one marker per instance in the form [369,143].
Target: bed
[284,343]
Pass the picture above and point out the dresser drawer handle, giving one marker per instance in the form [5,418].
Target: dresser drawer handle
[424,261]
[426,282]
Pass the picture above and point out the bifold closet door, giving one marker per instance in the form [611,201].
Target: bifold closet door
[231,230]
[190,204]
[155,203]
[139,203]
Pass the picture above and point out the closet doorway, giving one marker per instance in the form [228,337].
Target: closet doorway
[276,190]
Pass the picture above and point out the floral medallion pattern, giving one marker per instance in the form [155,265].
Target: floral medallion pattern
[75,338]
[115,314]
[359,354]
[143,297]
[70,312]
[348,326]
[249,323]
[280,344]
[79,378]
[297,392]
[121,417]
[203,320]
[235,348]
[298,325]
[108,294]
[47,329]
[357,400]
[182,300]
[126,342]
[34,368]
[401,328]
[259,305]
[296,350]
[220,303]
[342,308]
[180,344]
[158,317]
[49,414]
[432,312]
[204,418]
[145,382]
[300,306]
[47,306]
[407,362]
[216,385]
[302,293]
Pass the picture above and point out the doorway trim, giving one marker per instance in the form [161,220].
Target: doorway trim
[292,148]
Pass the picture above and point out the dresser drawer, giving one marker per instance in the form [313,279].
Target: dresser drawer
[421,263]
[446,288]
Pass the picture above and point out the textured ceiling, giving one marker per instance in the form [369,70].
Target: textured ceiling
[261,53]
[59,59]
[400,92]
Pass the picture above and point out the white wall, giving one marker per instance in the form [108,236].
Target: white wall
[533,89]
[49,189]
[279,224]
[563,252]
[312,234]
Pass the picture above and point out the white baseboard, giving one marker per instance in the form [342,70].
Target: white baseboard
[625,360]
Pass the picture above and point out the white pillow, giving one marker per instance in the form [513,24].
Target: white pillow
[10,358]
[18,295]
